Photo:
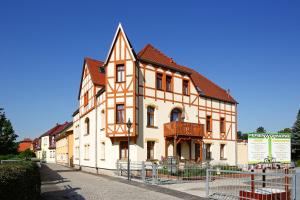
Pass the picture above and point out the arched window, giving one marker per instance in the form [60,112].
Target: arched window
[87,126]
[176,114]
[150,116]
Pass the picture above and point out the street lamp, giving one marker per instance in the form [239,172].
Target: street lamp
[129,124]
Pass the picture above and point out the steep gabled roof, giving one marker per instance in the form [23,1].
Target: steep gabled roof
[98,78]
[120,29]
[204,86]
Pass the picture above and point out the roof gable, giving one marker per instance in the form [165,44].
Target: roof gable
[120,30]
[204,86]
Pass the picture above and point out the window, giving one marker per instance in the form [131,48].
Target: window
[150,116]
[208,152]
[86,151]
[159,81]
[176,115]
[87,126]
[208,124]
[169,83]
[102,151]
[86,99]
[123,149]
[77,152]
[185,87]
[120,114]
[150,150]
[222,151]
[120,73]
[222,125]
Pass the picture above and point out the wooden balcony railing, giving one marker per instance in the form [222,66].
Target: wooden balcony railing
[178,128]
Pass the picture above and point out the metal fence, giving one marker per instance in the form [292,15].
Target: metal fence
[167,173]
[271,184]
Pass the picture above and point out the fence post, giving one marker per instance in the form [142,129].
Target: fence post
[264,177]
[154,177]
[252,183]
[294,177]
[207,182]
[143,171]
[286,180]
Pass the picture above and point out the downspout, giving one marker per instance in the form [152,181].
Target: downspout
[236,150]
[96,149]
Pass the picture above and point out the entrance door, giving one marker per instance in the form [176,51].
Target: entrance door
[197,151]
[179,150]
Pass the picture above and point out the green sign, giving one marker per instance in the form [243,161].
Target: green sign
[269,147]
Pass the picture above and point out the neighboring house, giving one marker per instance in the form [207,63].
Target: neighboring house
[242,152]
[45,149]
[174,110]
[25,144]
[64,146]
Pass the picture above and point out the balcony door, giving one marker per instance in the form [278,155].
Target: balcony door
[176,115]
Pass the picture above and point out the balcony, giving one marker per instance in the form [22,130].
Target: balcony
[185,129]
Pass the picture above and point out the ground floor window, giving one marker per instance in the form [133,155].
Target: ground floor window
[222,151]
[123,149]
[150,150]
[86,151]
[207,151]
[77,152]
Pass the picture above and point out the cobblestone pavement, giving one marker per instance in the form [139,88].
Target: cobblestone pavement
[60,182]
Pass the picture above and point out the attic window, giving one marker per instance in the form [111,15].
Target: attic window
[102,70]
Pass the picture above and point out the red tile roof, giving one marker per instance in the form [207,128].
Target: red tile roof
[97,77]
[25,144]
[61,128]
[205,87]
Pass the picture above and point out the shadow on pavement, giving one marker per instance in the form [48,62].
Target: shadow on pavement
[51,190]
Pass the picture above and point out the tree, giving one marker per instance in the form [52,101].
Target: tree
[260,130]
[8,137]
[242,136]
[295,139]
[285,130]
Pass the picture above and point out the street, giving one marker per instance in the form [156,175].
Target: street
[60,182]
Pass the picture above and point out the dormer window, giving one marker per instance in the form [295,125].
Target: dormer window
[102,70]
[120,73]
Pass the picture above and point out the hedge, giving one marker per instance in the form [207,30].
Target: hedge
[20,180]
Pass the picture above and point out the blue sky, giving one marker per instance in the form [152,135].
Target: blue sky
[251,47]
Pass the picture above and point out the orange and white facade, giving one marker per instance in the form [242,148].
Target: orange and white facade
[174,110]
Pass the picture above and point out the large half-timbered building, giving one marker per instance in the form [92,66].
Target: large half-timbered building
[175,111]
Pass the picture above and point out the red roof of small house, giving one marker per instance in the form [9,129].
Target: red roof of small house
[61,128]
[24,144]
[97,77]
[205,87]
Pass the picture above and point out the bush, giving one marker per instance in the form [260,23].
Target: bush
[297,163]
[8,157]
[20,180]
[27,154]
